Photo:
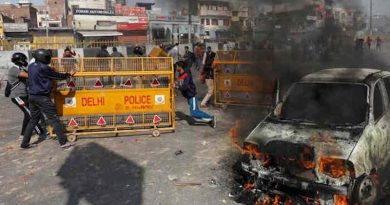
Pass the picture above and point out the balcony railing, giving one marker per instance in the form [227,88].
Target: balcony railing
[214,13]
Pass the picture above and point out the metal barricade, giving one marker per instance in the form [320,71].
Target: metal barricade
[244,78]
[116,95]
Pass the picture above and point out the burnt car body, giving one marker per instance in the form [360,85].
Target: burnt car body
[327,142]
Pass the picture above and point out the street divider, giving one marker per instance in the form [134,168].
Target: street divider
[244,78]
[116,95]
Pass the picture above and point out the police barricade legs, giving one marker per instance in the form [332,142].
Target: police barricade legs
[116,95]
[244,78]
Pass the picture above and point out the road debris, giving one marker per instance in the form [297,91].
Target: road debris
[172,178]
[188,184]
[178,152]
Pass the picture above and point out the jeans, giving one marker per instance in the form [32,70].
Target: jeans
[195,112]
[22,103]
[39,105]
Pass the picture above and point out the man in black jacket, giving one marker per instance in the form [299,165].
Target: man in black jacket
[208,71]
[39,83]
[188,89]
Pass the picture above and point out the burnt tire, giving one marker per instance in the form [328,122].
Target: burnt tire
[367,190]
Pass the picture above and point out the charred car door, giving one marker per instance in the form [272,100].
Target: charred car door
[379,145]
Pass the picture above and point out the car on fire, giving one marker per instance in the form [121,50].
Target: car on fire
[327,142]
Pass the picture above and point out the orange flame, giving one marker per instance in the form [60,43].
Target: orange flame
[304,162]
[265,201]
[248,149]
[334,167]
[340,200]
[288,202]
[276,200]
[249,186]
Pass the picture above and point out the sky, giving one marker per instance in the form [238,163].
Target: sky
[379,6]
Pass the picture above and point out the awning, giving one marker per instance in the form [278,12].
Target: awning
[100,33]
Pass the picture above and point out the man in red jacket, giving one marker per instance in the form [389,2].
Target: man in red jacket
[188,89]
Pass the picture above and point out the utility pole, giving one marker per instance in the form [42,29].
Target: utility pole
[370,17]
[47,23]
[189,20]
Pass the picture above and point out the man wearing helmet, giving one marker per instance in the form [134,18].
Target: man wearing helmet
[17,77]
[39,83]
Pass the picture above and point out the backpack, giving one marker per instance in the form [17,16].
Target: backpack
[10,87]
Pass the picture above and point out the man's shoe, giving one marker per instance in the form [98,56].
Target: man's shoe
[214,122]
[28,146]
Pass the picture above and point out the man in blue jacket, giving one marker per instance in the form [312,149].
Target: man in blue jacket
[188,89]
[39,83]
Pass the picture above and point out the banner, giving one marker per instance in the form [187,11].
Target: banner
[121,10]
[132,26]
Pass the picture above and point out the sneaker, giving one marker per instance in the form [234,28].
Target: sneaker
[206,120]
[67,145]
[29,146]
[214,122]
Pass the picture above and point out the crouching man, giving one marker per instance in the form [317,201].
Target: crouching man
[39,83]
[188,89]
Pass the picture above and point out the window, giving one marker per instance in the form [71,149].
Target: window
[235,13]
[202,21]
[226,22]
[207,22]
[387,85]
[378,102]
[214,22]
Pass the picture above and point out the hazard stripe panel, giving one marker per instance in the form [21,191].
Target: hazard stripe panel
[128,120]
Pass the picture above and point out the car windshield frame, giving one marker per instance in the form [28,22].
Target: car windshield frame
[302,121]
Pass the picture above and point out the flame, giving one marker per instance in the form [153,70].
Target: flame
[249,186]
[233,134]
[303,161]
[340,200]
[288,202]
[276,200]
[334,167]
[265,201]
[248,149]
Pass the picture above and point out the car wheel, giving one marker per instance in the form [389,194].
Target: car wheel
[367,190]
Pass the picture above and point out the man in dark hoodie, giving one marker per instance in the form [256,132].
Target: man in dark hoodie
[188,89]
[40,76]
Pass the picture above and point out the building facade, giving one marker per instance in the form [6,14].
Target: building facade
[23,12]
[215,16]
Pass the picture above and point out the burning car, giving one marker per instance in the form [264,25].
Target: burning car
[326,143]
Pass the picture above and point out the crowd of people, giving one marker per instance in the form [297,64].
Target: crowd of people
[361,43]
[29,86]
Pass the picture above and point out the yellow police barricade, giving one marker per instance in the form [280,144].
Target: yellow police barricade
[116,96]
[244,78]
